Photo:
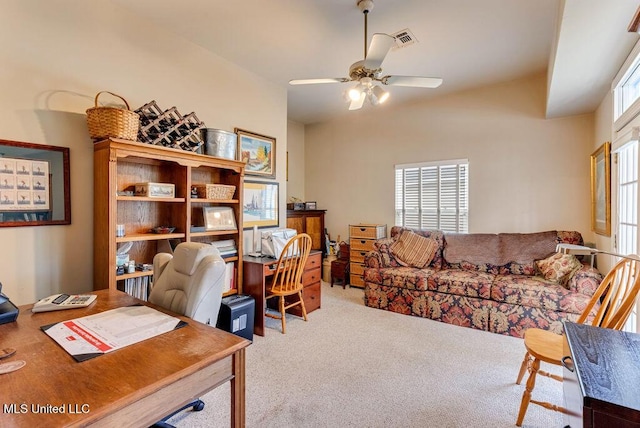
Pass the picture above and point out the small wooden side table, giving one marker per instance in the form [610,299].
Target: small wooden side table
[340,271]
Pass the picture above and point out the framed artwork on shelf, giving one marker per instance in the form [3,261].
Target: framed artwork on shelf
[259,153]
[34,184]
[219,218]
[260,208]
[601,190]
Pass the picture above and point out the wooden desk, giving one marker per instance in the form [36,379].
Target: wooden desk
[256,274]
[600,380]
[133,386]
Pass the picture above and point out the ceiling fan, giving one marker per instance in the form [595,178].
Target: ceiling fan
[368,71]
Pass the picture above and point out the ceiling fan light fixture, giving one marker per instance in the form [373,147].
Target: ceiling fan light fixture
[355,92]
[380,94]
[367,72]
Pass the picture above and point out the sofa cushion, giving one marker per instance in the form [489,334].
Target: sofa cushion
[559,268]
[462,282]
[535,291]
[526,247]
[400,277]
[586,280]
[514,320]
[473,248]
[411,249]
[436,235]
[504,252]
[457,310]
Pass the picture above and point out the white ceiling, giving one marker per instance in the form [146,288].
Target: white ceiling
[468,43]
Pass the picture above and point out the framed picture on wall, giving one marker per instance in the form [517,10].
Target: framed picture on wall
[601,190]
[260,201]
[259,152]
[34,184]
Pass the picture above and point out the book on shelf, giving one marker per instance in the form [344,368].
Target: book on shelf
[138,287]
[226,247]
[229,277]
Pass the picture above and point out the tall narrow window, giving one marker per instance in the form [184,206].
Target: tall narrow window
[626,164]
[626,90]
[433,195]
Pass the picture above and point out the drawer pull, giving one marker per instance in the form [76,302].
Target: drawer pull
[363,242]
[567,365]
[362,229]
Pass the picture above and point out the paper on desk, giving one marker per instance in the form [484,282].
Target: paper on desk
[97,334]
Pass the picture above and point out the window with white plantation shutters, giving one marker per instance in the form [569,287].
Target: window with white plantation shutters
[626,166]
[433,195]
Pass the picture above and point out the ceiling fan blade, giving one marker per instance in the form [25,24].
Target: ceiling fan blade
[413,81]
[315,81]
[378,49]
[357,104]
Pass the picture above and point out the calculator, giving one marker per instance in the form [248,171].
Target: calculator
[58,302]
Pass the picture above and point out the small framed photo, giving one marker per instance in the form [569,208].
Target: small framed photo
[310,206]
[219,218]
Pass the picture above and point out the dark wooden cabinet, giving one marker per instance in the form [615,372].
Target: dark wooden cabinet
[601,377]
[310,222]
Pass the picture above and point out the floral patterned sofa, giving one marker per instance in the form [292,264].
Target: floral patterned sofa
[489,282]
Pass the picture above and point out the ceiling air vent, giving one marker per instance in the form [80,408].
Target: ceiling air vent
[404,38]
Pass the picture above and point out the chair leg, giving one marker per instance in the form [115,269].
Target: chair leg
[304,310]
[196,405]
[523,367]
[282,313]
[526,395]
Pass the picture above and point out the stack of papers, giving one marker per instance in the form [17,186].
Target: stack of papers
[226,247]
[98,334]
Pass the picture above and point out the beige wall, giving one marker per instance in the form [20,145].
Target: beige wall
[295,147]
[603,132]
[527,173]
[56,55]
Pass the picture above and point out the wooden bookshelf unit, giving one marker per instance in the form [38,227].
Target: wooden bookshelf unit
[118,166]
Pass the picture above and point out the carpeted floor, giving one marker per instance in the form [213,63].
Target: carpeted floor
[354,366]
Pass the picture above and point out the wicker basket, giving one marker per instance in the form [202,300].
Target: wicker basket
[215,191]
[112,122]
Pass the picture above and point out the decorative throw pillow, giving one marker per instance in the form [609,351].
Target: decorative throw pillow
[559,268]
[411,249]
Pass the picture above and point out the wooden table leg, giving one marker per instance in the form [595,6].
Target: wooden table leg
[238,390]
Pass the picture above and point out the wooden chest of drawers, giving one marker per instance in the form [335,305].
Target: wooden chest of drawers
[311,279]
[361,239]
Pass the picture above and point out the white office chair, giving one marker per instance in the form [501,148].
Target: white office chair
[189,283]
